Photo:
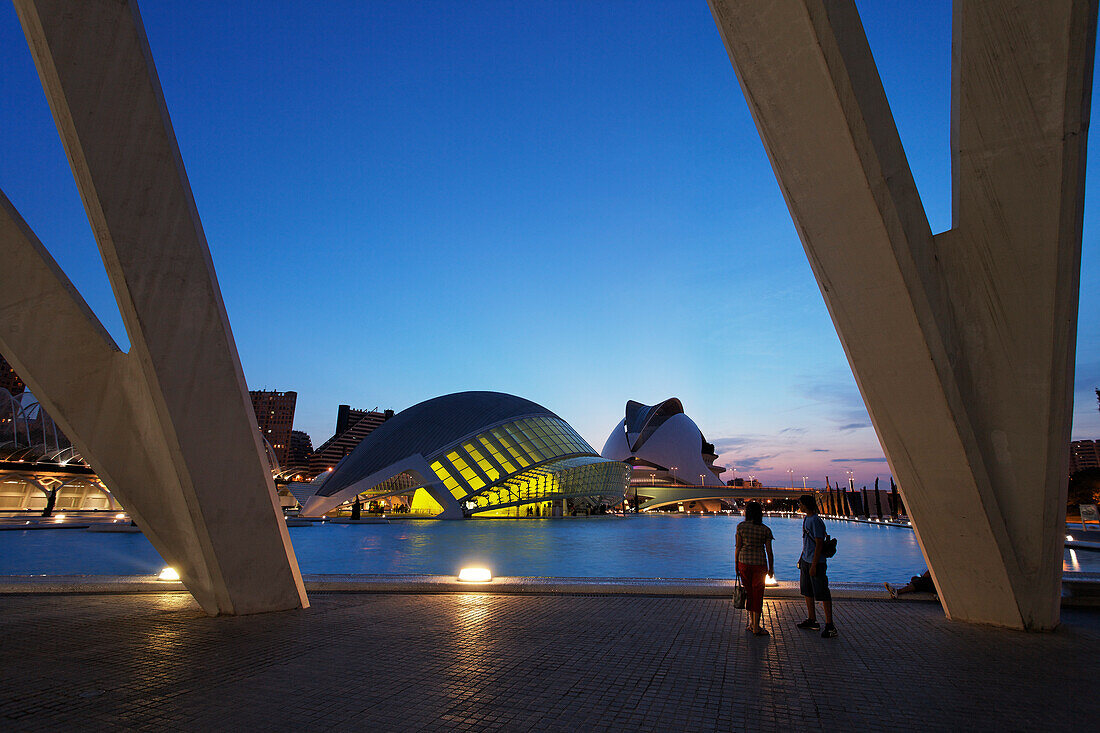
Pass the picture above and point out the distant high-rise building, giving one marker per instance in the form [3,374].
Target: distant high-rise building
[351,427]
[1083,454]
[275,418]
[9,380]
[300,451]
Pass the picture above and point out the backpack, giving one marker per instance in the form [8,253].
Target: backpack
[828,547]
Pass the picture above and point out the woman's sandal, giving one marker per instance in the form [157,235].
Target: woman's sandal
[761,632]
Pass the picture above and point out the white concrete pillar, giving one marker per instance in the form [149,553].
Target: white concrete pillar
[169,426]
[962,343]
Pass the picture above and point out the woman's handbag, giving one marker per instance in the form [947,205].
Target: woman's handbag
[738,593]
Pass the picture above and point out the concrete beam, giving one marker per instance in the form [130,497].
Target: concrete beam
[962,344]
[169,426]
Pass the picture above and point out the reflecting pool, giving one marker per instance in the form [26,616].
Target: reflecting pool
[639,546]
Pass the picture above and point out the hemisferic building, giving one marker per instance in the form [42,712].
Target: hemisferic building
[472,454]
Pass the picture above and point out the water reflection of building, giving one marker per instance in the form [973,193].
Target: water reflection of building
[472,454]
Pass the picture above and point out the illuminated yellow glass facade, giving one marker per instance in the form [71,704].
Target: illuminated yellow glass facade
[524,461]
[570,477]
[471,453]
[423,503]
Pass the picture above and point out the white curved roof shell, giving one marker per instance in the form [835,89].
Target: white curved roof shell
[677,442]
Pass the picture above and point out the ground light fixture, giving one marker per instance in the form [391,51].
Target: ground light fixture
[168,574]
[475,575]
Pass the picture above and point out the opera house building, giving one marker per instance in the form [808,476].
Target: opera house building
[472,454]
[663,446]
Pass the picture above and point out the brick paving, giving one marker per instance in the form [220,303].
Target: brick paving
[566,663]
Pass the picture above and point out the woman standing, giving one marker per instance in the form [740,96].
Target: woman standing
[753,553]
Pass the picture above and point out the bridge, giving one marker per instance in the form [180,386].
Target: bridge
[653,496]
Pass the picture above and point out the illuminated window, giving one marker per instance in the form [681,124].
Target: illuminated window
[511,443]
[497,455]
[482,462]
[468,474]
[449,481]
[527,460]
[525,443]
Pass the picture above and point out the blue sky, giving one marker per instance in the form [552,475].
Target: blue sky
[566,201]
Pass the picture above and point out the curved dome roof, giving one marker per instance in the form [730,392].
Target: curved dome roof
[662,435]
[643,420]
[425,428]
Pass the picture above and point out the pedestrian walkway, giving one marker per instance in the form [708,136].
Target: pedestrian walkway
[382,661]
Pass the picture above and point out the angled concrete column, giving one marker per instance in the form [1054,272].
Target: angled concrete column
[169,426]
[962,343]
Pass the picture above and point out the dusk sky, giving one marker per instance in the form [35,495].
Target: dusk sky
[567,201]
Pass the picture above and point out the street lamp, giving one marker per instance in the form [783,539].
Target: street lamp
[790,472]
[804,483]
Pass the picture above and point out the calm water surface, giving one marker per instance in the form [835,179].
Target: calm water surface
[650,546]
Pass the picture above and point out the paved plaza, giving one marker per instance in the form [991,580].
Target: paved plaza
[390,661]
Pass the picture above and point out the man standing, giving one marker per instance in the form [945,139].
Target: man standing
[813,581]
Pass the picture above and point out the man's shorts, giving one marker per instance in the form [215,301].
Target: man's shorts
[815,586]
